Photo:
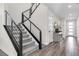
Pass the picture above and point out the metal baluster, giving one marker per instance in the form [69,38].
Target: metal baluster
[12,26]
[40,44]
[30,26]
[20,42]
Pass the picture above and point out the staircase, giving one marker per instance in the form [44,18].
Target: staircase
[23,38]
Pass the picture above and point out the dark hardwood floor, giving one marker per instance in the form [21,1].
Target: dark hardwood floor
[67,47]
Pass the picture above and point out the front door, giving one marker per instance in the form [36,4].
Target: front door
[71,27]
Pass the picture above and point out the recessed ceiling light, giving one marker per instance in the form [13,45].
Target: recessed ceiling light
[69,6]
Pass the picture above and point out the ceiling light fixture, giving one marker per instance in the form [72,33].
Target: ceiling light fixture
[69,6]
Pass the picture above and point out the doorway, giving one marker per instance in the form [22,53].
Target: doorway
[71,28]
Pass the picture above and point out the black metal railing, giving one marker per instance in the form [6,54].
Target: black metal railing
[30,26]
[34,30]
[12,26]
[28,13]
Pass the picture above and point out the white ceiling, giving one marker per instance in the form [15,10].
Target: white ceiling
[61,9]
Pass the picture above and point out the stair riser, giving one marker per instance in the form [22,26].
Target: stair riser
[24,41]
[28,45]
[18,36]
[18,29]
[26,53]
[16,33]
[27,40]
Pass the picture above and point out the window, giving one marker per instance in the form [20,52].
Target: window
[70,28]
[70,33]
[70,23]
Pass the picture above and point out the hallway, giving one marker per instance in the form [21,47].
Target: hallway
[67,47]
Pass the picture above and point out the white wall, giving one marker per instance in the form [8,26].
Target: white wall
[63,22]
[40,18]
[78,28]
[5,43]
[50,32]
[15,10]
